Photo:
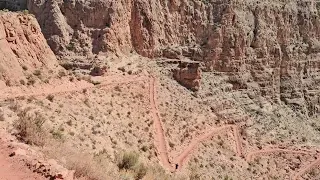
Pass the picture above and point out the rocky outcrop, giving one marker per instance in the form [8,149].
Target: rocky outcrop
[22,48]
[98,71]
[33,159]
[272,45]
[188,74]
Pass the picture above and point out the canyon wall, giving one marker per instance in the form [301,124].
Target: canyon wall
[22,48]
[270,47]
[13,5]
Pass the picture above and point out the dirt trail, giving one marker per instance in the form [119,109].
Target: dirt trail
[253,154]
[11,168]
[160,139]
[307,168]
[64,86]
[194,143]
[237,138]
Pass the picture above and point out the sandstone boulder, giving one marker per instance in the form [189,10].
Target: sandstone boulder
[188,74]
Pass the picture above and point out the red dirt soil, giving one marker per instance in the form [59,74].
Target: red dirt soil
[160,140]
[11,168]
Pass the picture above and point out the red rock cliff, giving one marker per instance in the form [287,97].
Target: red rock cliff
[271,45]
[22,47]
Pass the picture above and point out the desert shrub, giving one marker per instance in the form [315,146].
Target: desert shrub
[128,160]
[5,10]
[71,46]
[61,73]
[158,173]
[86,167]
[14,106]
[8,83]
[140,170]
[24,67]
[71,79]
[30,127]
[47,81]
[194,174]
[25,12]
[2,118]
[57,134]
[95,82]
[50,97]
[87,102]
[22,82]
[37,72]
[31,80]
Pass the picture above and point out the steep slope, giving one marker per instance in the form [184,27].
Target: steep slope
[22,48]
[270,47]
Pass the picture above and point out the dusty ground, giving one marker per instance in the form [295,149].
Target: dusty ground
[256,115]
[208,134]
[11,168]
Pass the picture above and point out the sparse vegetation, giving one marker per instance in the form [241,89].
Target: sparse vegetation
[22,82]
[4,10]
[50,97]
[140,171]
[128,160]
[8,83]
[57,134]
[24,67]
[31,80]
[25,12]
[71,46]
[2,118]
[30,127]
[62,73]
[37,73]
[87,102]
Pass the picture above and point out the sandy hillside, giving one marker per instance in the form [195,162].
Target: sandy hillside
[160,90]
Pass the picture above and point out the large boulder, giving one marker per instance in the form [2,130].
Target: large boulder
[188,74]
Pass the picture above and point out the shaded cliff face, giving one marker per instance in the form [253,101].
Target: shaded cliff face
[269,46]
[13,5]
[22,47]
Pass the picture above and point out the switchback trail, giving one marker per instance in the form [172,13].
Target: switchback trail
[65,87]
[194,143]
[160,139]
[307,168]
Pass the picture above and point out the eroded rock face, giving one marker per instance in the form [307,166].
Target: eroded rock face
[98,71]
[188,74]
[22,47]
[272,44]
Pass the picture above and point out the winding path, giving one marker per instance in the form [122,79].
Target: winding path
[252,155]
[160,139]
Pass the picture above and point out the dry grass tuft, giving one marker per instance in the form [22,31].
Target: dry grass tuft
[2,118]
[30,127]
[86,167]
[127,160]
